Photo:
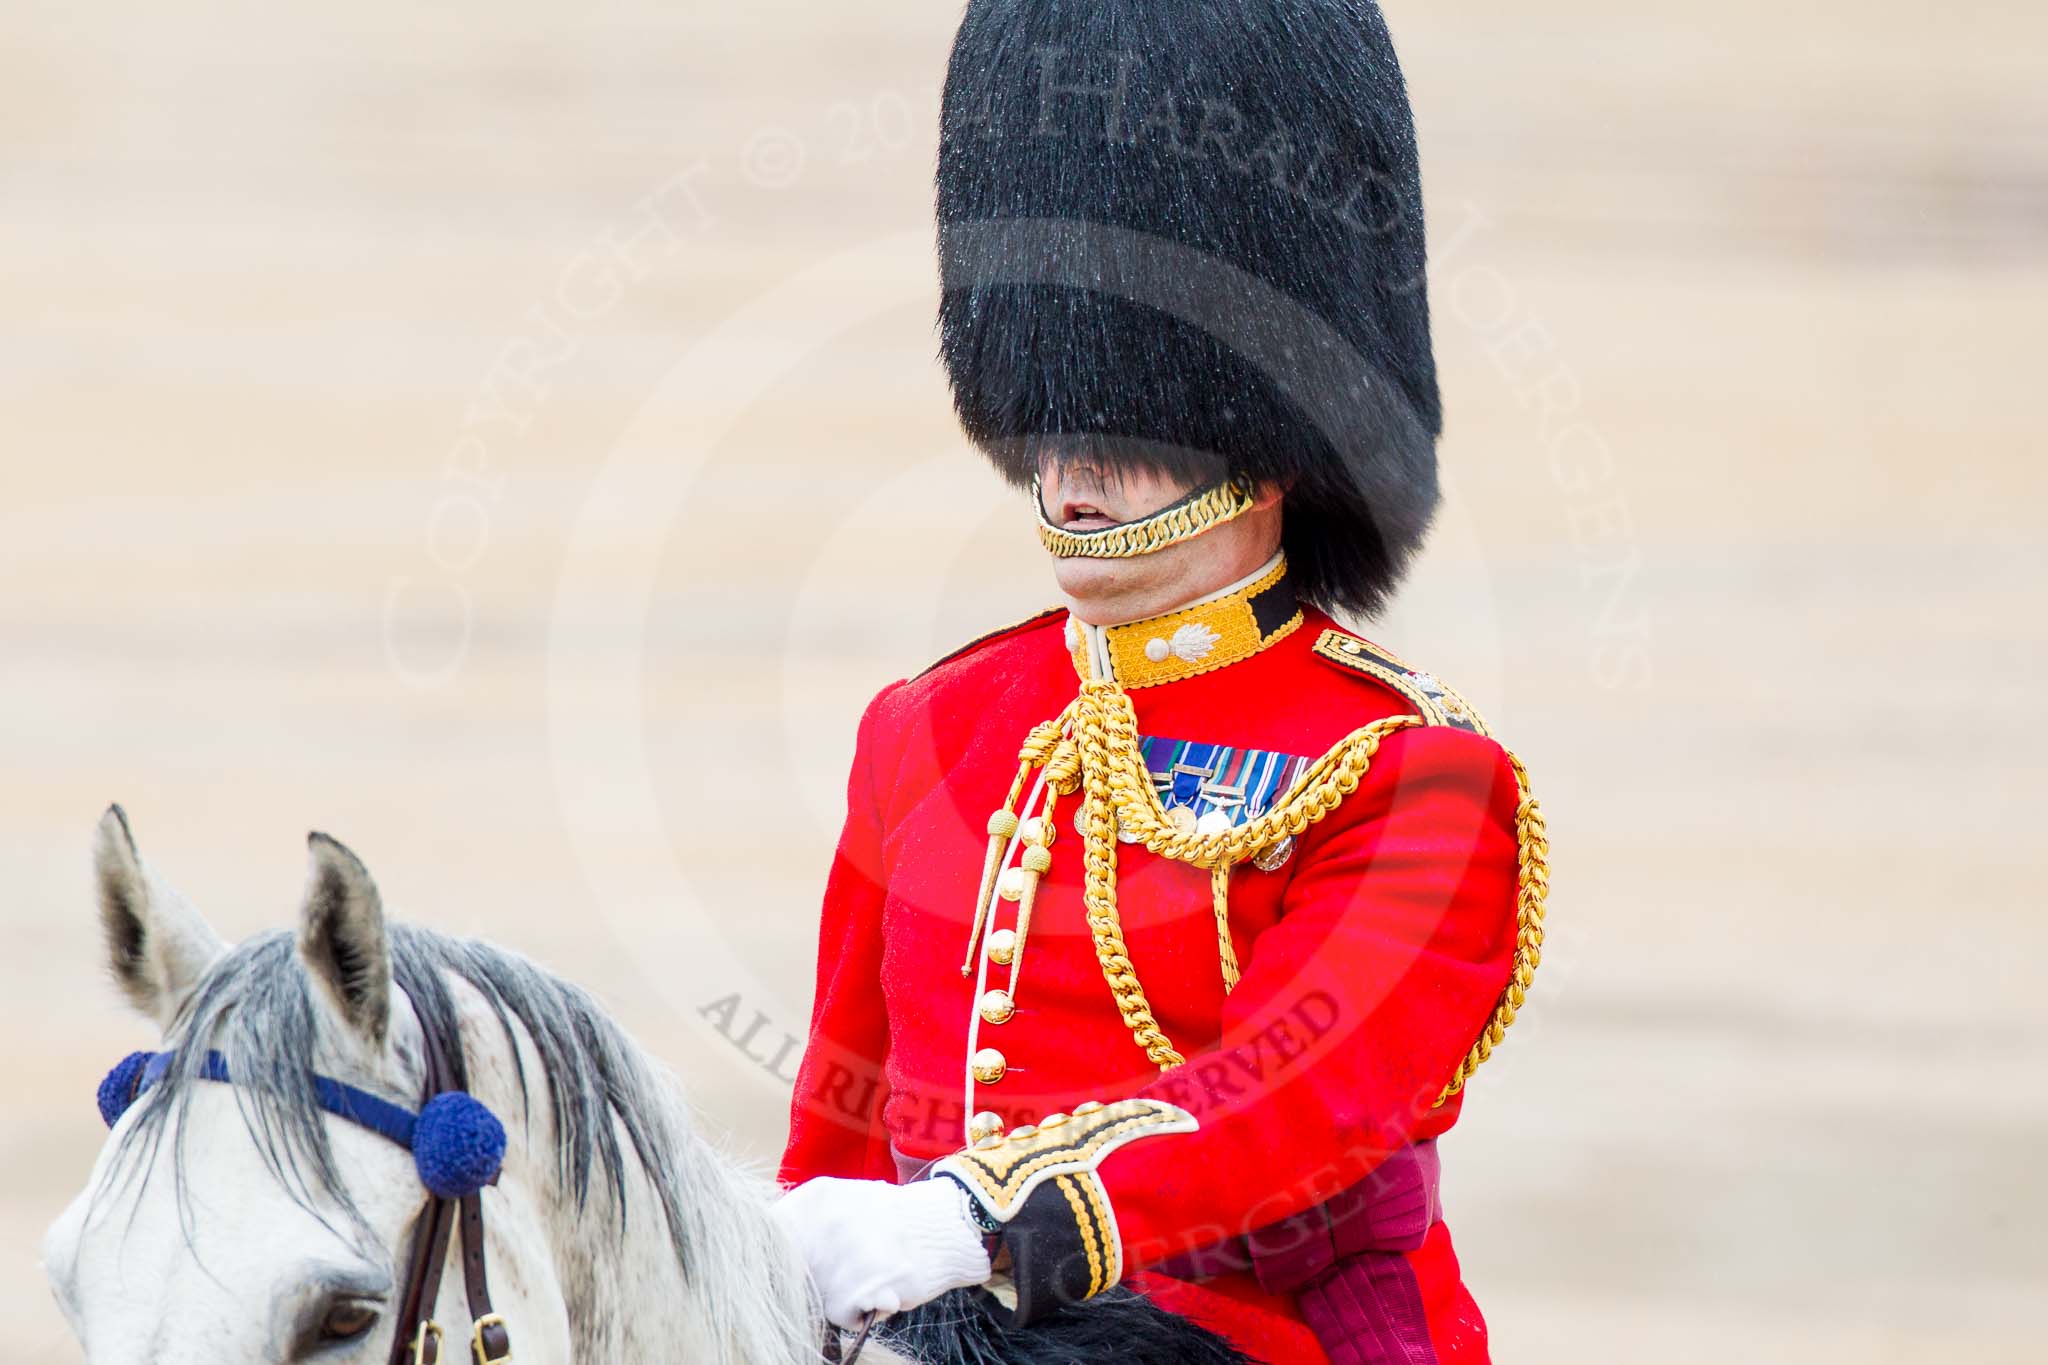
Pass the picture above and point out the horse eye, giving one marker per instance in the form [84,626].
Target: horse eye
[347,1319]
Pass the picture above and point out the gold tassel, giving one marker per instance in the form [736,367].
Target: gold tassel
[1002,827]
[1036,861]
[1038,749]
[1219,891]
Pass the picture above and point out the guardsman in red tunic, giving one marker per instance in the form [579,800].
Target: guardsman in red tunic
[1167,926]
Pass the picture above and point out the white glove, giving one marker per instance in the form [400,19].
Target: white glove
[876,1247]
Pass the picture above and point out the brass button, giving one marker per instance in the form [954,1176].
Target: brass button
[987,1124]
[996,1006]
[1002,944]
[1028,1130]
[1010,886]
[1032,830]
[988,1065]
[1052,1120]
[1087,1106]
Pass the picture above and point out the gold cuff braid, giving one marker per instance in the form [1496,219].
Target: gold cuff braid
[1002,1171]
[1040,1189]
[1185,520]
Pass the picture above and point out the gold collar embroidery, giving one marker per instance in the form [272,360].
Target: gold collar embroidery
[1201,637]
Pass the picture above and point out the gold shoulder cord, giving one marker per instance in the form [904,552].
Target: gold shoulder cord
[1093,746]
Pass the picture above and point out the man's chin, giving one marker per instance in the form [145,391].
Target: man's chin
[1100,591]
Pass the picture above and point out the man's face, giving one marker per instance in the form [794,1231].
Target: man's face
[1082,496]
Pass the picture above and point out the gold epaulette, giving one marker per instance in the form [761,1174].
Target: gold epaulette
[1433,700]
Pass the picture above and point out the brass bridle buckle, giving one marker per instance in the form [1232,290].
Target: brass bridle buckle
[481,1353]
[421,1354]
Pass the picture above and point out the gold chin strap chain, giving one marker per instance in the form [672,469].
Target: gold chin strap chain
[1093,746]
[1185,520]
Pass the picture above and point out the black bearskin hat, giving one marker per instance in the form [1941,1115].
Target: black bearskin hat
[1189,233]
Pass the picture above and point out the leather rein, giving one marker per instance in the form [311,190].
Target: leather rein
[837,1352]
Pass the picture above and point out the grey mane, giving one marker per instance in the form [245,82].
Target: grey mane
[255,1007]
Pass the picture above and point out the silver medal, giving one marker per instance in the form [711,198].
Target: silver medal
[1271,859]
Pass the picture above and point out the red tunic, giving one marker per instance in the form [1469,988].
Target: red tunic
[1371,960]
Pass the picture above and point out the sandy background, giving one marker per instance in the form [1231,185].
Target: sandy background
[506,436]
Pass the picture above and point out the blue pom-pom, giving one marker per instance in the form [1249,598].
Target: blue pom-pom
[117,1091]
[458,1145]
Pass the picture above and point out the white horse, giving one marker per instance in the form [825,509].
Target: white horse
[239,1222]
[233,1216]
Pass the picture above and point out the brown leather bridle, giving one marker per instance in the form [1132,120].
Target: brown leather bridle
[418,1340]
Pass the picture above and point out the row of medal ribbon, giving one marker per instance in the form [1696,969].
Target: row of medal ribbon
[1209,788]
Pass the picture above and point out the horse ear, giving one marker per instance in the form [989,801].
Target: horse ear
[342,939]
[158,946]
